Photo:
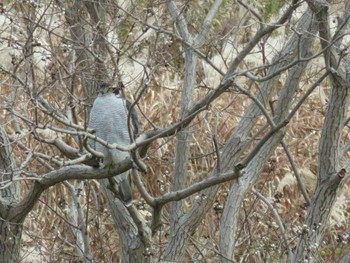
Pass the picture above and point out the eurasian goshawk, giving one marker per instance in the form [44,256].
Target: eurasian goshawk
[109,119]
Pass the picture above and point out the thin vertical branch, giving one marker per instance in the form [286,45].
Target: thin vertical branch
[76,216]
[296,173]
[277,218]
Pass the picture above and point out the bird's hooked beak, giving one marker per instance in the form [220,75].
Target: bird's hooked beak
[112,89]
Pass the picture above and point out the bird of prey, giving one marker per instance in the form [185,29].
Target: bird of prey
[109,119]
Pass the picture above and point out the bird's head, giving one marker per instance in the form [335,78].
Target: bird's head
[105,88]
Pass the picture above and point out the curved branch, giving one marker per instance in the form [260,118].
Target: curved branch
[200,38]
[278,220]
[79,172]
[196,187]
[262,32]
[179,20]
[296,173]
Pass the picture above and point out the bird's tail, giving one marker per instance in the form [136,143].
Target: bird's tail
[124,188]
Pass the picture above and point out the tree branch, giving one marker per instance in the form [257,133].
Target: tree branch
[79,172]
[262,32]
[179,20]
[278,220]
[201,37]
[196,187]
[296,173]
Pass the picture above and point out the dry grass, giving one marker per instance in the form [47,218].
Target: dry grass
[47,234]
[276,182]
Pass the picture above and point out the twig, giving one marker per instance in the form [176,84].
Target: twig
[277,218]
[196,187]
[216,146]
[142,189]
[296,173]
[77,217]
[250,9]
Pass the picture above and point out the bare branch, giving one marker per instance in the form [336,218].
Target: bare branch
[262,32]
[250,9]
[76,215]
[296,173]
[201,37]
[330,175]
[187,43]
[79,172]
[278,220]
[196,187]
[180,22]
[142,189]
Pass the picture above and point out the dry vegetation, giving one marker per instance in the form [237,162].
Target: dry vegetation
[48,230]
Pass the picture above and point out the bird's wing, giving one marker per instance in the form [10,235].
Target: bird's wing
[134,118]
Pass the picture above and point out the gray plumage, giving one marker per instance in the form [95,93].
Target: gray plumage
[109,117]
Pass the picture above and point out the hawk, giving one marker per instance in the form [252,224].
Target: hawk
[109,119]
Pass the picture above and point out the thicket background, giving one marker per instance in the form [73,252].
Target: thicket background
[143,50]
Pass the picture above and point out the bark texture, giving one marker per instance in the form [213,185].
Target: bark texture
[229,218]
[179,232]
[330,171]
[10,230]
[134,243]
[234,147]
[132,232]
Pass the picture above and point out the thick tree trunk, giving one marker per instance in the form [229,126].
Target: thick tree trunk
[182,146]
[180,224]
[84,61]
[330,171]
[134,245]
[330,174]
[240,187]
[10,241]
[10,232]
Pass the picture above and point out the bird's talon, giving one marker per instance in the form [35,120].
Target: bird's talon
[108,167]
[96,161]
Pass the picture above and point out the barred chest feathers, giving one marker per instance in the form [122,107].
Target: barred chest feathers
[109,117]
